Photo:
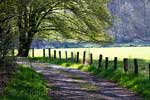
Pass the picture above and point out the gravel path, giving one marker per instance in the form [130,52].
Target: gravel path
[69,84]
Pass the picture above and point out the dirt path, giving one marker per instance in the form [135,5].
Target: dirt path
[69,84]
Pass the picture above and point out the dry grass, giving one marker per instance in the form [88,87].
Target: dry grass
[120,52]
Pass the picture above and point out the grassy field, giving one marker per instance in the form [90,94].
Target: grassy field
[120,52]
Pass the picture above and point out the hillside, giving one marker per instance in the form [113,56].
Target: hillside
[131,20]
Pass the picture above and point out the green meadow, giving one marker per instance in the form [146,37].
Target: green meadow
[120,52]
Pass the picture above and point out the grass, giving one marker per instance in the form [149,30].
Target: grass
[111,52]
[120,52]
[25,84]
[137,83]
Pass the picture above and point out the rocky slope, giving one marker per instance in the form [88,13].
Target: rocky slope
[131,26]
[131,20]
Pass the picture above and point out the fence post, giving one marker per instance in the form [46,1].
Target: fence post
[59,55]
[54,54]
[91,58]
[77,57]
[44,53]
[84,55]
[106,62]
[72,56]
[136,70]
[33,52]
[125,62]
[100,61]
[66,55]
[115,63]
[49,53]
[149,71]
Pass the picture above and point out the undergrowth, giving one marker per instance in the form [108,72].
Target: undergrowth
[25,84]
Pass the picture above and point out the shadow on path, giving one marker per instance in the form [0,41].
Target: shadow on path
[70,84]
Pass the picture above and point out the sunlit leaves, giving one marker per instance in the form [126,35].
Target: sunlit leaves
[72,18]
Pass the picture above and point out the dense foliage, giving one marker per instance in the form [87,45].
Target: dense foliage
[6,28]
[85,20]
[60,19]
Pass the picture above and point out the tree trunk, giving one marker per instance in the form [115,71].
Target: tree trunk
[23,52]
[24,48]
[24,45]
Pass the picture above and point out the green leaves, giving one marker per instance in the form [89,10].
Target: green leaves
[6,28]
[85,20]
[67,18]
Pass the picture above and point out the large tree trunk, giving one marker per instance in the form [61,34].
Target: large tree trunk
[24,45]
[27,29]
[23,52]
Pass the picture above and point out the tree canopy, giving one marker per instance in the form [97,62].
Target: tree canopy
[6,30]
[74,19]
[84,20]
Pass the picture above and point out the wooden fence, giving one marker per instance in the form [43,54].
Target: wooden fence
[101,62]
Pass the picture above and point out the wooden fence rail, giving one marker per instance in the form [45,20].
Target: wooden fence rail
[100,60]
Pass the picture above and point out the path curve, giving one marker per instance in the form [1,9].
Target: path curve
[70,84]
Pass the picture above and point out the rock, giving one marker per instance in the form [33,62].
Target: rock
[131,19]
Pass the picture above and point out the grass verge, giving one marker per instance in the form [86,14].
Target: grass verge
[137,83]
[25,84]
